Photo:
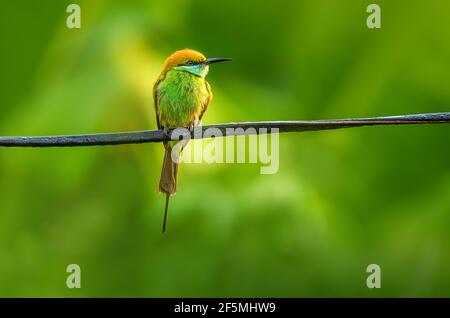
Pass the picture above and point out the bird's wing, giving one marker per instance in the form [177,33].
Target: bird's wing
[207,101]
[155,101]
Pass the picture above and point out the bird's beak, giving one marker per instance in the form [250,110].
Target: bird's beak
[212,60]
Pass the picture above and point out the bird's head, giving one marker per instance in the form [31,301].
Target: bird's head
[191,61]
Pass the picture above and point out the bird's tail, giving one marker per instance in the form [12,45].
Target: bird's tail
[169,173]
[169,178]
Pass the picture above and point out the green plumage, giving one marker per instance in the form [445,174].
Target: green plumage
[182,98]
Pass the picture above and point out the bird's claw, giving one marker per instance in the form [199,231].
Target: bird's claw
[197,122]
[166,134]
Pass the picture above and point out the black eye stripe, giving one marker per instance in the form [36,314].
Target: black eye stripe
[191,63]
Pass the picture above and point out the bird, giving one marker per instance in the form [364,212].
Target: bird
[181,97]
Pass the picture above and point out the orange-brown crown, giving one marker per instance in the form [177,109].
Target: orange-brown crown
[182,57]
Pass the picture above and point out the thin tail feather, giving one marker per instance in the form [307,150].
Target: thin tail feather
[165,212]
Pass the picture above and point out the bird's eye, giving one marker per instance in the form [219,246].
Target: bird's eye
[190,63]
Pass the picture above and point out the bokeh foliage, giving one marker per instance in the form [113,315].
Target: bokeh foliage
[341,200]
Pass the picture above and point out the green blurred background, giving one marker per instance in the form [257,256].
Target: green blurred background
[340,201]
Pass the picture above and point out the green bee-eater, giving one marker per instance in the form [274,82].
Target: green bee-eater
[181,96]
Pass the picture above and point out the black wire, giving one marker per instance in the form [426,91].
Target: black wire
[229,129]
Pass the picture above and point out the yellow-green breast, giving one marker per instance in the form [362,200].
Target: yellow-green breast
[181,98]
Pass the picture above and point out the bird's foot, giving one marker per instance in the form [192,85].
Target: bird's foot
[166,134]
[197,122]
